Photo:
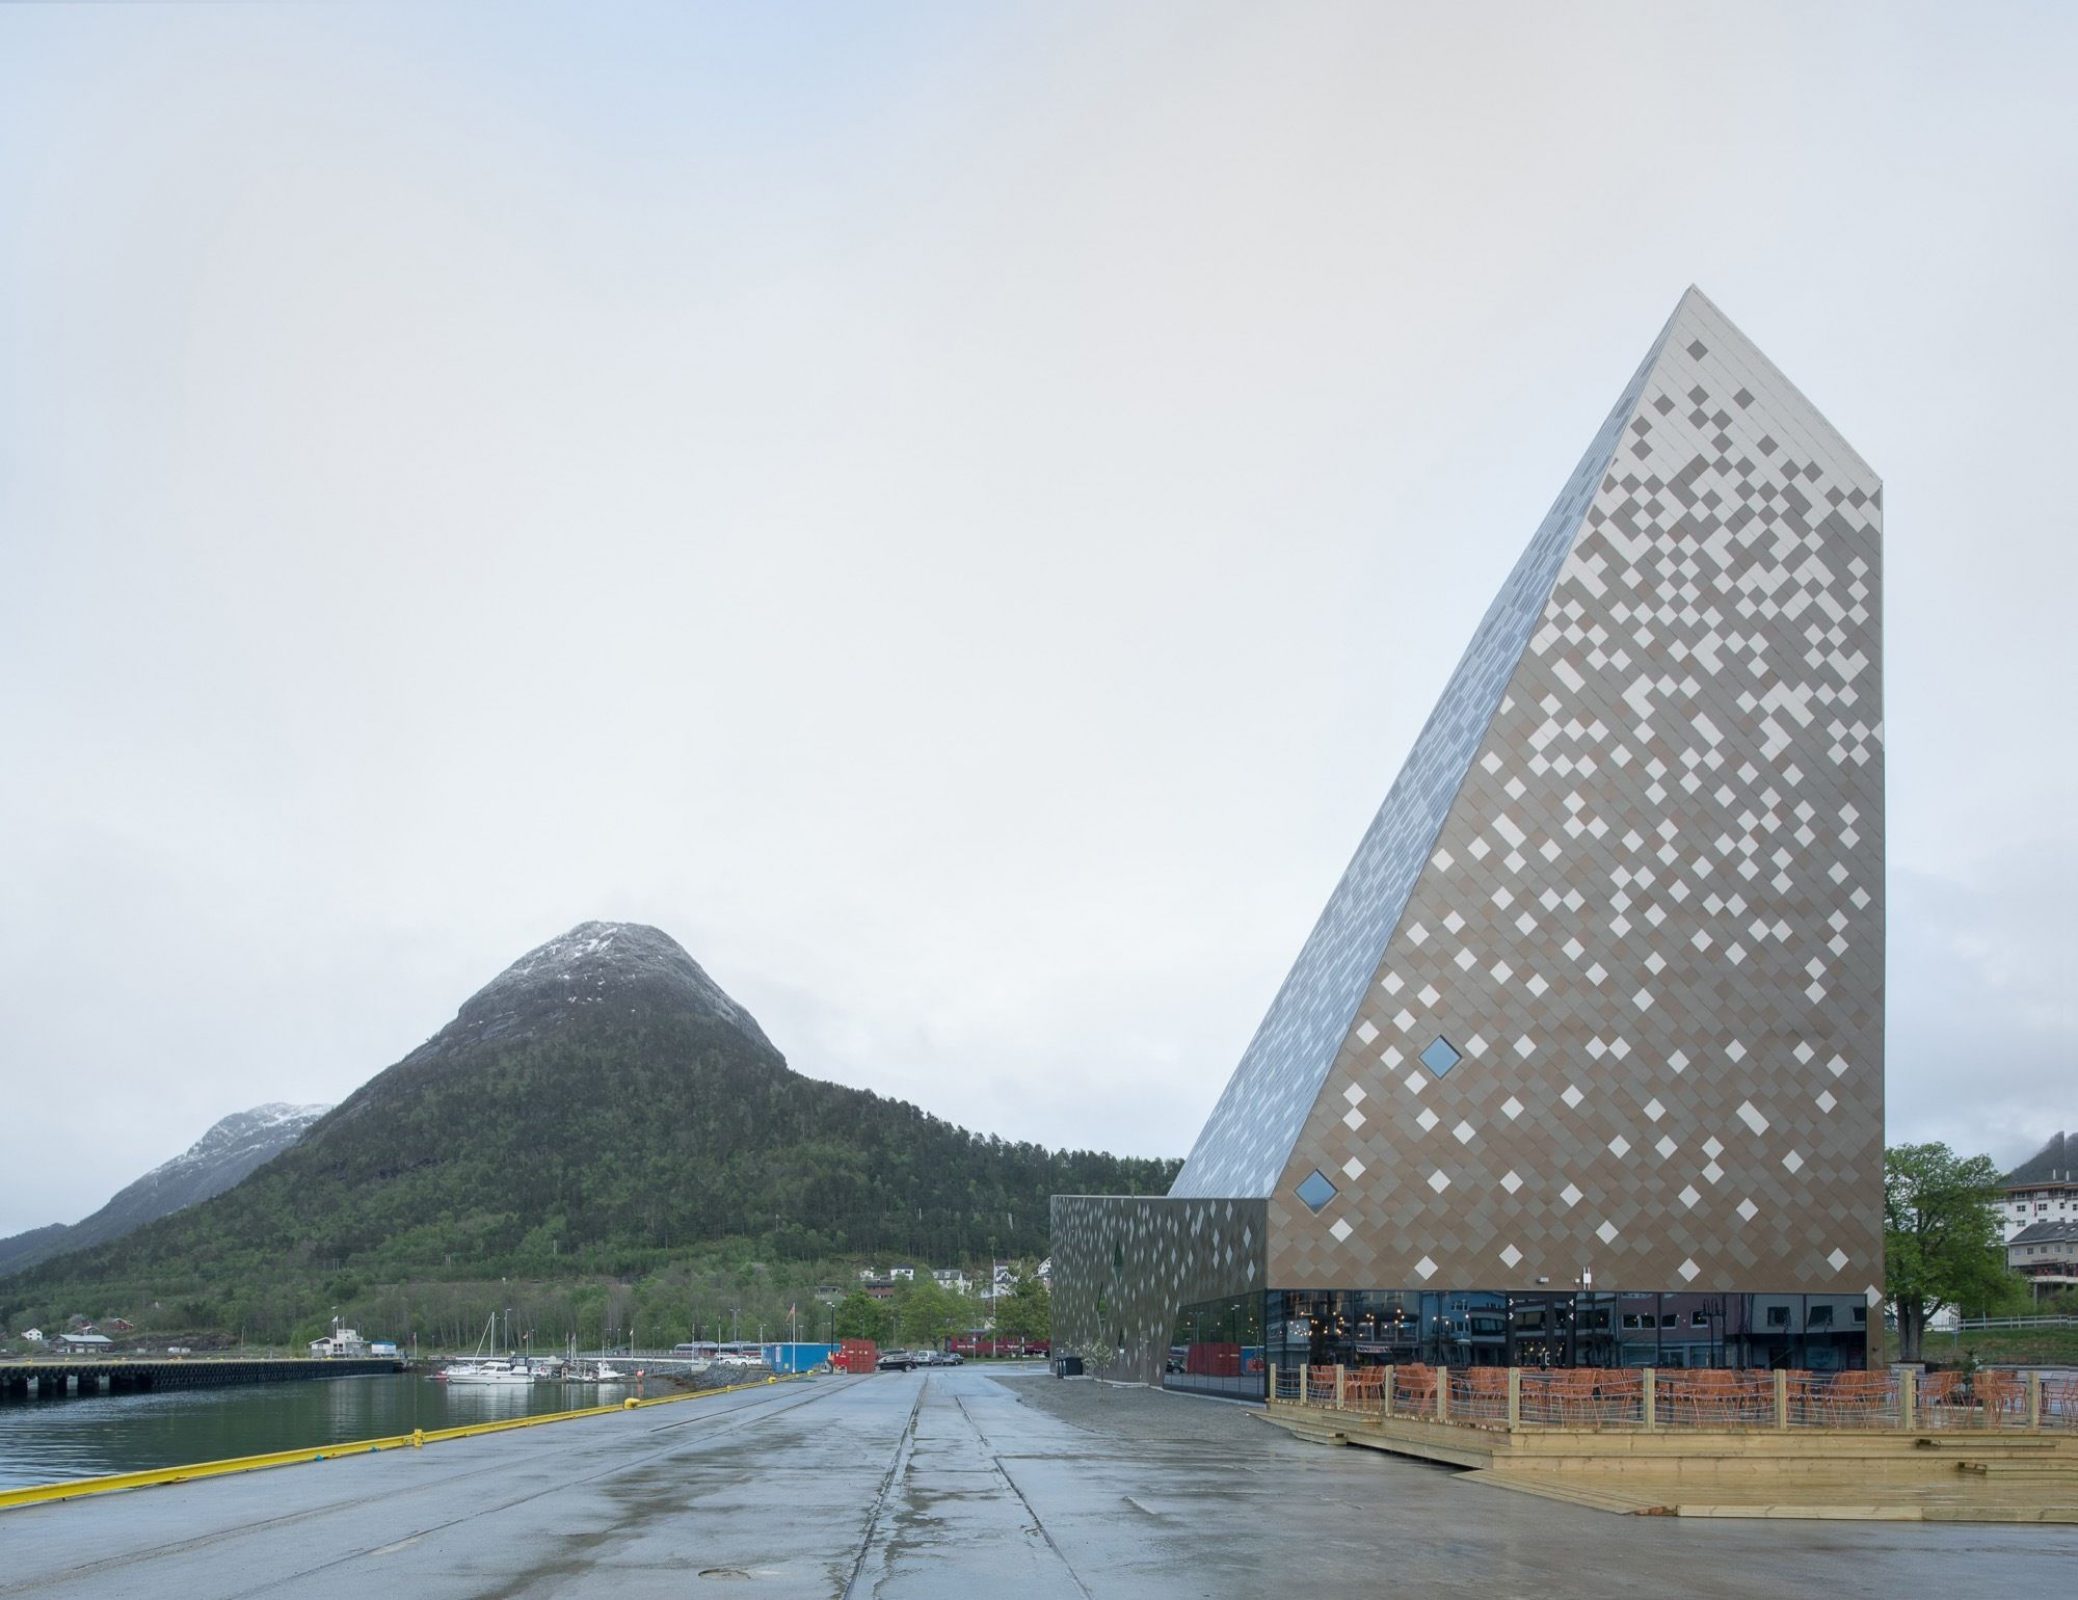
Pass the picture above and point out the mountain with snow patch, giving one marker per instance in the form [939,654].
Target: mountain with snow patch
[236,1146]
[596,964]
[599,1107]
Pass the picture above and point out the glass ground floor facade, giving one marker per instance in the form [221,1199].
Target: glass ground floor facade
[1227,1346]
[1217,1348]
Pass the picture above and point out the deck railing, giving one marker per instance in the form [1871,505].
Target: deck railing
[1985,1324]
[1515,1398]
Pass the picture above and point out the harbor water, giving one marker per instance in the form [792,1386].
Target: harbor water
[46,1441]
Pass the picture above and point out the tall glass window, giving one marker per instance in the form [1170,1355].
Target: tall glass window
[1217,1348]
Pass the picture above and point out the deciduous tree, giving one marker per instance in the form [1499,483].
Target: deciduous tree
[1941,1239]
[926,1313]
[860,1316]
[1026,1312]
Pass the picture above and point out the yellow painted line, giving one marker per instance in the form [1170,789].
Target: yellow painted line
[79,1488]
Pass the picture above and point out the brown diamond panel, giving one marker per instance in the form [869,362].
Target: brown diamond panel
[1652,921]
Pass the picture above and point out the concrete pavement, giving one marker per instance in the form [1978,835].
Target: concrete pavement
[938,1484]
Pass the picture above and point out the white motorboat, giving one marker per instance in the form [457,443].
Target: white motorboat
[487,1372]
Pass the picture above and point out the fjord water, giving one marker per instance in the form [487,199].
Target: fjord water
[46,1441]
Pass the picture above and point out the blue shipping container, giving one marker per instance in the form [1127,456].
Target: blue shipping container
[785,1358]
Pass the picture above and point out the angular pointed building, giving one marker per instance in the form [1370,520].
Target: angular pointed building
[1583,1062]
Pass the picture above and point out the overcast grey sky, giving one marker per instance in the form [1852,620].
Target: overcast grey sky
[955,513]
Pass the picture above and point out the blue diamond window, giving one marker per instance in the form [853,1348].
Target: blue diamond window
[1441,1056]
[1316,1191]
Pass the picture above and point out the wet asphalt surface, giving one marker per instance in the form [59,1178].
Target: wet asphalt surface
[944,1484]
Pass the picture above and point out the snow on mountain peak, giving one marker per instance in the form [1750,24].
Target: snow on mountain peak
[276,1124]
[592,963]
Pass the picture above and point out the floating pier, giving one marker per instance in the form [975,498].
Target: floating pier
[51,1380]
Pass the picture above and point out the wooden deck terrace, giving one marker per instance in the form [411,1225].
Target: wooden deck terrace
[59,1376]
[1883,1445]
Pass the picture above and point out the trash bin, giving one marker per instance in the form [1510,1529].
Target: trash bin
[1067,1366]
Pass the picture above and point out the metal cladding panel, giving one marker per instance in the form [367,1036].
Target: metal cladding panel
[1248,1138]
[1123,1266]
[1651,926]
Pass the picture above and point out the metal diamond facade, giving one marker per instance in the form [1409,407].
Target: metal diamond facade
[1632,879]
[1245,1142]
[1122,1267]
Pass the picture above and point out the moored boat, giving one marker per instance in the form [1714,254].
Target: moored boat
[487,1372]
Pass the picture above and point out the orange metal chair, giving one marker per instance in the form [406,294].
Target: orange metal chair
[1685,1399]
[1363,1388]
[1572,1395]
[1619,1396]
[2002,1397]
[2060,1402]
[1414,1388]
[1942,1399]
[1480,1392]
[1711,1397]
[1857,1399]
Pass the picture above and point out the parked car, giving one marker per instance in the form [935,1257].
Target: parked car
[941,1358]
[897,1361]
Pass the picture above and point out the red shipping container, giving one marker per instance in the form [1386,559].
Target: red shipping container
[1214,1360]
[857,1356]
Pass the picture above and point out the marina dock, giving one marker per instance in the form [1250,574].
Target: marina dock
[82,1376]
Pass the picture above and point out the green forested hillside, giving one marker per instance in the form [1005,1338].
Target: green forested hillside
[598,1118]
